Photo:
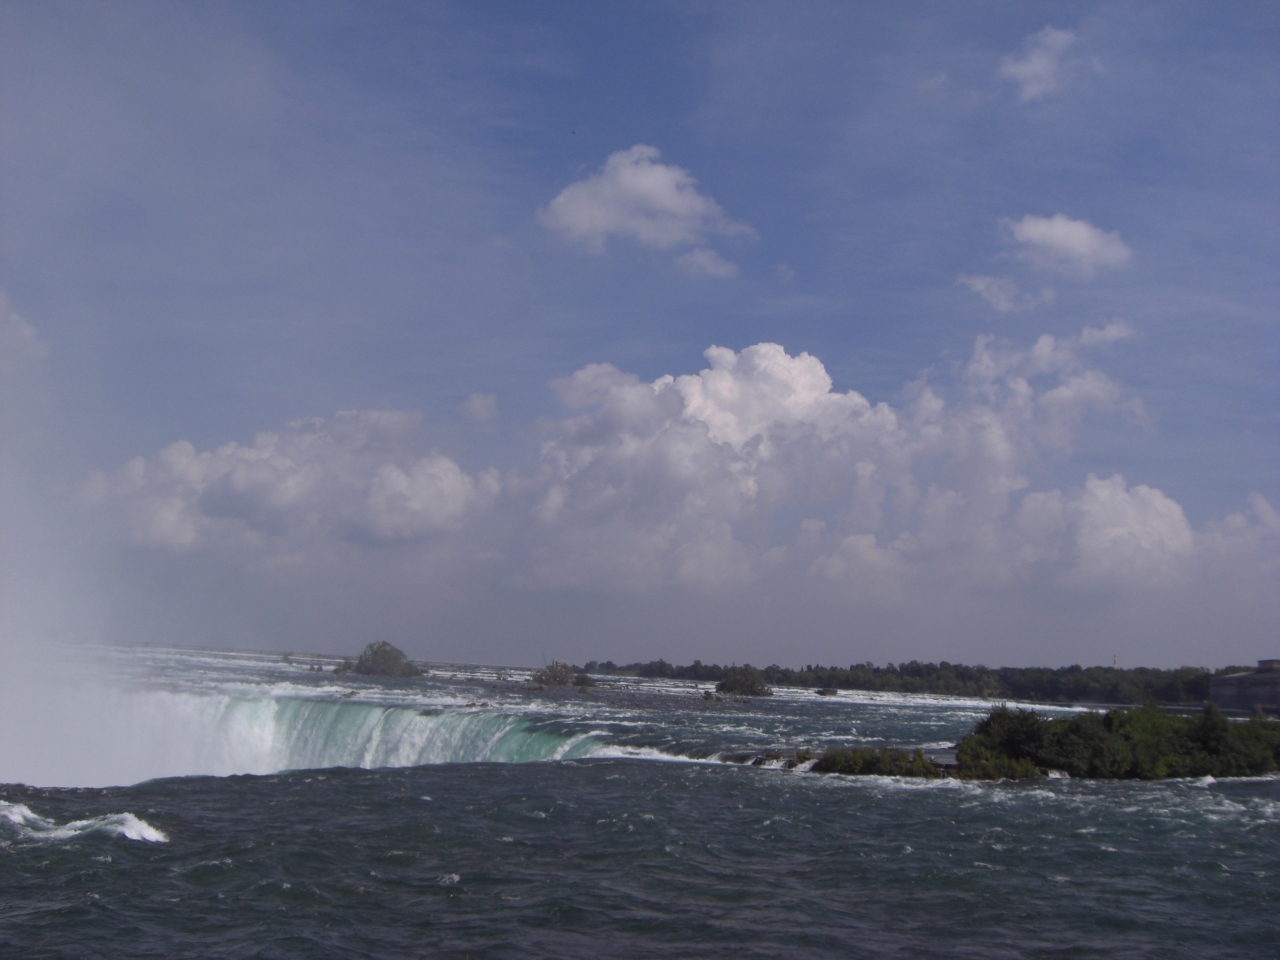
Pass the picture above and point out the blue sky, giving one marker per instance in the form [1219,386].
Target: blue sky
[235,220]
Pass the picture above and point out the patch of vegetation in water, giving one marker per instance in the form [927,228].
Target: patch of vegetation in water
[380,659]
[885,762]
[559,674]
[1146,743]
[744,681]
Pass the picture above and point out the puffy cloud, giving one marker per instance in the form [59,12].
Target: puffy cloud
[653,481]
[706,458]
[655,204]
[433,494]
[349,478]
[753,394]
[1037,72]
[1130,534]
[1065,244]
[752,478]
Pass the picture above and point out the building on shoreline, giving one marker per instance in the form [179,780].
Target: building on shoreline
[1257,690]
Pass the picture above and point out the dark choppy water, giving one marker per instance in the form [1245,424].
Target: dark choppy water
[610,850]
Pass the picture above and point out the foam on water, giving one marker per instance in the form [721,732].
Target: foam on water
[602,751]
[27,825]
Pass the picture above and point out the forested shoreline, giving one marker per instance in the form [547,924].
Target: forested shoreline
[1074,684]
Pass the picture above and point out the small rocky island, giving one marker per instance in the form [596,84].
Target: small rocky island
[561,674]
[744,681]
[379,659]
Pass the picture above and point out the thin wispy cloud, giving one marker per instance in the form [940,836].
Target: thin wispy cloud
[1003,293]
[704,262]
[1000,292]
[1037,72]
[480,407]
[1113,331]
[20,345]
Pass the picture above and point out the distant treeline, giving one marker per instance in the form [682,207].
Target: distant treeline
[1061,685]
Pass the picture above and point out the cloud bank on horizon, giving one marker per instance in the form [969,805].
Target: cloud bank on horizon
[751,477]
[992,335]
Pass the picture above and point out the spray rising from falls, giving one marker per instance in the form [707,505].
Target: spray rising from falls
[146,714]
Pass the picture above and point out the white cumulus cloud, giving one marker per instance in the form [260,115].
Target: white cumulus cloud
[1126,534]
[652,471]
[350,477]
[434,493]
[752,480]
[1063,243]
[1038,71]
[655,204]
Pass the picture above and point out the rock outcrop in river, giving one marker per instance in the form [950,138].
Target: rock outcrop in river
[380,659]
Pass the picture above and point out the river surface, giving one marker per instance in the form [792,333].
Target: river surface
[236,805]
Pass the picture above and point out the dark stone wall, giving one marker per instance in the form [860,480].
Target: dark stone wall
[1249,691]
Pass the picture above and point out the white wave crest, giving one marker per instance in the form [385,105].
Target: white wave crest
[29,825]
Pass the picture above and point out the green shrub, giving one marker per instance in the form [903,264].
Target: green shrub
[379,659]
[1146,743]
[868,761]
[559,674]
[744,681]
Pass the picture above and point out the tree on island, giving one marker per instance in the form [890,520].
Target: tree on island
[379,659]
[561,673]
[744,681]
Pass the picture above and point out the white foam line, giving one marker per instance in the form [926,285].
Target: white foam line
[32,826]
